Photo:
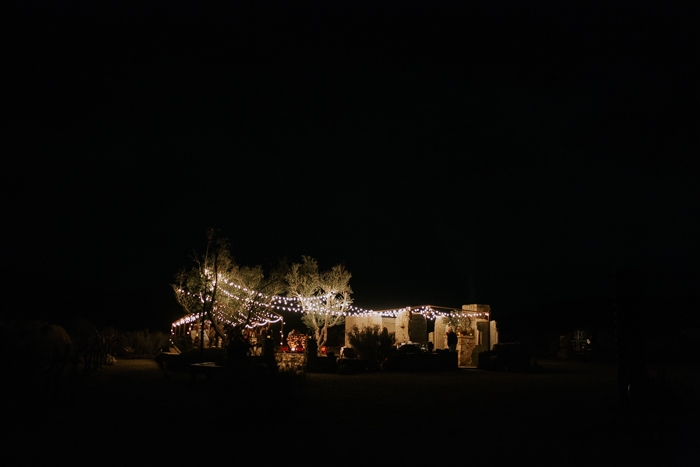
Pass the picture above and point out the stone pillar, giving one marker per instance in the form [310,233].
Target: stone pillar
[494,334]
[402,327]
[465,347]
[439,338]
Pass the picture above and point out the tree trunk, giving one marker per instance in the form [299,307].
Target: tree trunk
[201,339]
[217,329]
[324,333]
[319,337]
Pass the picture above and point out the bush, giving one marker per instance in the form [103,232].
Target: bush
[371,344]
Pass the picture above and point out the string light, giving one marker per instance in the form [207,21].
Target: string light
[315,304]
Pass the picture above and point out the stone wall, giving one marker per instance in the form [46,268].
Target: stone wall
[494,334]
[365,321]
[483,336]
[417,329]
[411,327]
[402,327]
[389,324]
[439,338]
[466,356]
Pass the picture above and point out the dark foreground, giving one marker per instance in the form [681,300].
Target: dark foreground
[134,413]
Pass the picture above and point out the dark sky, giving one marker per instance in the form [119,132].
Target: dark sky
[509,153]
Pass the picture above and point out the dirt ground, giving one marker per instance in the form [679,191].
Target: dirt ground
[565,414]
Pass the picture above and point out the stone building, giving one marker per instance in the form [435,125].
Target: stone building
[476,331]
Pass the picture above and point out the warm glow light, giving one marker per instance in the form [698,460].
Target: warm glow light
[267,303]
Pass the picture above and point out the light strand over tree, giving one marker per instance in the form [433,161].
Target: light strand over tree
[227,295]
[196,289]
[324,296]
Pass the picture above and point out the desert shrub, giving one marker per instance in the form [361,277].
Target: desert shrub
[291,363]
[371,343]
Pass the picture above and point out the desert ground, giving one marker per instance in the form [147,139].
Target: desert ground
[567,413]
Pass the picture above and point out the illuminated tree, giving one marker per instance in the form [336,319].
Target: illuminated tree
[323,296]
[252,295]
[216,289]
[197,290]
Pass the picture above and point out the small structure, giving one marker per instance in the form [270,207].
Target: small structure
[475,330]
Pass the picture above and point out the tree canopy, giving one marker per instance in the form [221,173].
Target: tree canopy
[323,295]
[215,288]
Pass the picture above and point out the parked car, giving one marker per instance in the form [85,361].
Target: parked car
[406,357]
[349,362]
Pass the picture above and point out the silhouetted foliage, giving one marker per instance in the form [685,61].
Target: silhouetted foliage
[371,343]
[217,291]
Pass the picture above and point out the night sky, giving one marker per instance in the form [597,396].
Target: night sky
[508,153]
